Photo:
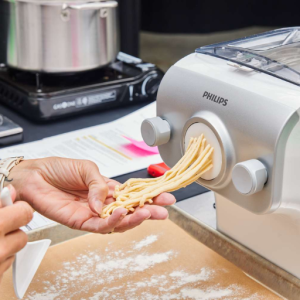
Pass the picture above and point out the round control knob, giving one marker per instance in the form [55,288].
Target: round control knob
[249,177]
[155,131]
[150,85]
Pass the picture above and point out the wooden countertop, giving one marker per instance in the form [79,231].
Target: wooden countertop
[157,260]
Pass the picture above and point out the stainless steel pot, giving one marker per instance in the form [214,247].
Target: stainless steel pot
[54,36]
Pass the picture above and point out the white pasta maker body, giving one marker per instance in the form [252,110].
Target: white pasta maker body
[244,95]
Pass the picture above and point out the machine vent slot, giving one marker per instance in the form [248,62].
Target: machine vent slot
[9,97]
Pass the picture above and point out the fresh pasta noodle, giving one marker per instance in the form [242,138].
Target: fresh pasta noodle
[137,191]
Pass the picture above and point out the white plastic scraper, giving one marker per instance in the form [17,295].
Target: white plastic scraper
[28,259]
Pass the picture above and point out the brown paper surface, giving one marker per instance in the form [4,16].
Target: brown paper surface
[157,260]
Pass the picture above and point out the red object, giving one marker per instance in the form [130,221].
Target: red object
[158,169]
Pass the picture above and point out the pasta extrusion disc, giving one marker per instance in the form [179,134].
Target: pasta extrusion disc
[196,130]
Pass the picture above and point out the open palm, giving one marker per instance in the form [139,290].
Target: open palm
[72,192]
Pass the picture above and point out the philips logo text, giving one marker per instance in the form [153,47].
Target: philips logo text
[215,98]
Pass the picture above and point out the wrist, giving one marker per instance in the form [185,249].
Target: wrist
[6,165]
[18,176]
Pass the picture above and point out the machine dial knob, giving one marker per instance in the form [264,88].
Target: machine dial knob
[249,177]
[150,85]
[155,131]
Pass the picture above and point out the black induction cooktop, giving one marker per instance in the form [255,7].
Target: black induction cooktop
[46,96]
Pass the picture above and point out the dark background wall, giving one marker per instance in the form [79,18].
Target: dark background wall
[129,11]
[4,9]
[204,16]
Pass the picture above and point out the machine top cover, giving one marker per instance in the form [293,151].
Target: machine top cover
[276,53]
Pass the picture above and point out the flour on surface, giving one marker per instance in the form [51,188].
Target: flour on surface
[145,242]
[184,278]
[252,297]
[173,287]
[44,296]
[136,263]
[212,293]
[199,294]
[95,271]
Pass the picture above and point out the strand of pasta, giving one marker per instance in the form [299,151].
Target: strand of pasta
[143,200]
[137,192]
[139,184]
[177,178]
[133,181]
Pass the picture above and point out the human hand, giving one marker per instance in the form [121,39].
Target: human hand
[72,192]
[12,239]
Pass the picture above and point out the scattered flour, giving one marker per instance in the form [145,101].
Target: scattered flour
[253,297]
[145,242]
[184,278]
[165,286]
[100,295]
[141,284]
[186,293]
[198,294]
[137,263]
[92,270]
[44,296]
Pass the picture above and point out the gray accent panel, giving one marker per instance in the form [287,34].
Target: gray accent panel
[278,164]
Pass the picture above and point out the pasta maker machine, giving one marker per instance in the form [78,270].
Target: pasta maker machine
[244,96]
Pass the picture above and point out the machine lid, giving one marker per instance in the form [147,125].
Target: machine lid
[275,52]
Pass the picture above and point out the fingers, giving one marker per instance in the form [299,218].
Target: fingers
[111,186]
[12,243]
[133,220]
[98,225]
[13,193]
[153,211]
[109,200]
[12,240]
[157,212]
[6,265]
[116,218]
[111,181]
[96,184]
[164,199]
[15,216]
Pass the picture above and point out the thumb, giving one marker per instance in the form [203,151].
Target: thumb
[98,188]
[13,192]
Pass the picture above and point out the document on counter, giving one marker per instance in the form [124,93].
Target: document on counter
[37,221]
[103,144]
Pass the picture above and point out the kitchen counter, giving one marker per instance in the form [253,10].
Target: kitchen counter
[157,260]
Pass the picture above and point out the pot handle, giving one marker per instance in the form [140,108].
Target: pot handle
[91,5]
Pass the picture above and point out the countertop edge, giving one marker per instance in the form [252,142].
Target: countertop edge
[257,267]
